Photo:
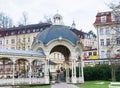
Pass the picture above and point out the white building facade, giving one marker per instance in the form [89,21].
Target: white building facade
[107,25]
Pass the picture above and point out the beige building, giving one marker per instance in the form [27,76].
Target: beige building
[90,45]
[107,25]
[21,37]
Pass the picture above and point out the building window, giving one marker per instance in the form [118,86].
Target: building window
[12,33]
[101,31]
[107,30]
[23,48]
[103,18]
[23,31]
[28,31]
[37,30]
[116,17]
[102,54]
[19,40]
[12,41]
[107,41]
[33,38]
[117,29]
[18,48]
[102,42]
[33,30]
[54,55]
[0,42]
[18,32]
[6,41]
[108,52]
[90,53]
[28,47]
[118,41]
[118,51]
[23,39]
[94,53]
[28,39]
[58,56]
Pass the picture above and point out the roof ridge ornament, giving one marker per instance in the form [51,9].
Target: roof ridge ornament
[57,19]
[60,38]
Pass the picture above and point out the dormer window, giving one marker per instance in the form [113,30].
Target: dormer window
[23,31]
[28,31]
[12,33]
[103,18]
[33,30]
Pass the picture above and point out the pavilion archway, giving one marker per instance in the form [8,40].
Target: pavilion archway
[66,62]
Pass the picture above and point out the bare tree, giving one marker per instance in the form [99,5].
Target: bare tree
[115,39]
[24,19]
[5,21]
[23,22]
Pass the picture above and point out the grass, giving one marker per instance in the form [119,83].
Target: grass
[94,84]
[40,87]
[87,84]
[36,86]
[115,84]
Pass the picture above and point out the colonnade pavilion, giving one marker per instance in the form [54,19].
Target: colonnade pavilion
[32,67]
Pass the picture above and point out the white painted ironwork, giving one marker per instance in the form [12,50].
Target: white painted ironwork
[22,81]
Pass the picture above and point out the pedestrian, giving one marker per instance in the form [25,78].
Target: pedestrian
[58,76]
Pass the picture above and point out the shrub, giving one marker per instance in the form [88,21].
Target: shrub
[98,72]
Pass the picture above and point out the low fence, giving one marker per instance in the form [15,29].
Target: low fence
[22,81]
[114,85]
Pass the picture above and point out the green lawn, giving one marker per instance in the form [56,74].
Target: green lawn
[87,84]
[94,84]
[40,87]
[36,86]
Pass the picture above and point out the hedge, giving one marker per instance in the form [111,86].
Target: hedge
[98,72]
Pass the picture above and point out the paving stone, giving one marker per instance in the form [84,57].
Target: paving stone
[63,85]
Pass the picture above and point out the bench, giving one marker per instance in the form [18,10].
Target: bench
[114,85]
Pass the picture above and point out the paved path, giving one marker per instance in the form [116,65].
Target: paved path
[63,85]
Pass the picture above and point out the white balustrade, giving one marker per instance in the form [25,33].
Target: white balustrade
[22,81]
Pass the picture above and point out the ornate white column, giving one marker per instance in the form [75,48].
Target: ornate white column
[67,73]
[47,81]
[74,80]
[81,79]
[79,65]
[13,70]
[30,71]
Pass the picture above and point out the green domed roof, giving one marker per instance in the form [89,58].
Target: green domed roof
[55,32]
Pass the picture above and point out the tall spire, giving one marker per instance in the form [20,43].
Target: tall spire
[73,24]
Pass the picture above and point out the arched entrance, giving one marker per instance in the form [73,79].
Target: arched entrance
[62,71]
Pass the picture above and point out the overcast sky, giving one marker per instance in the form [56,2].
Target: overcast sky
[83,12]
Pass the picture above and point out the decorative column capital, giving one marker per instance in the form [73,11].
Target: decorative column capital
[13,60]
